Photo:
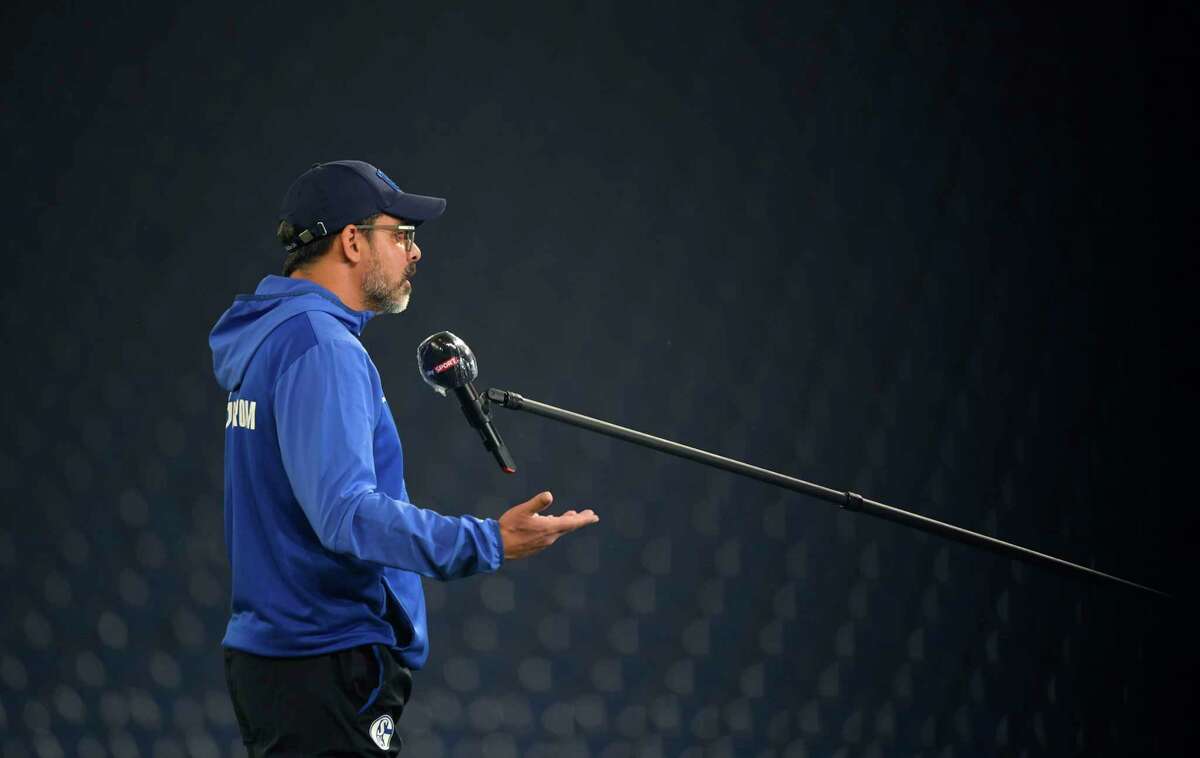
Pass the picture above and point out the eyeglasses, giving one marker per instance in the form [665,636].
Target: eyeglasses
[405,235]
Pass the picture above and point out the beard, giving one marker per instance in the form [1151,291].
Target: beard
[383,296]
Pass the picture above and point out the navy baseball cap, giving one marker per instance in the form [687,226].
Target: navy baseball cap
[327,197]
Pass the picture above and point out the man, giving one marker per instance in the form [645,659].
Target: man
[326,549]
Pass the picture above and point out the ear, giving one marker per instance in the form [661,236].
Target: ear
[354,244]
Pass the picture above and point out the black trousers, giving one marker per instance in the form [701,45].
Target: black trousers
[345,703]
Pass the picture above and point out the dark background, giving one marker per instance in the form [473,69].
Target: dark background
[933,254]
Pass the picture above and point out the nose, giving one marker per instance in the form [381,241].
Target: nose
[414,255]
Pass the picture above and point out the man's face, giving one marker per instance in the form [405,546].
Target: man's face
[386,282]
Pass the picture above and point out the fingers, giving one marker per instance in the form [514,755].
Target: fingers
[525,530]
[570,521]
[567,522]
[537,503]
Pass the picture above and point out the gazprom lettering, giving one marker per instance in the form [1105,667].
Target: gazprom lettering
[240,413]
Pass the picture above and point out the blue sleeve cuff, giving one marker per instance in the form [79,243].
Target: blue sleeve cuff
[492,530]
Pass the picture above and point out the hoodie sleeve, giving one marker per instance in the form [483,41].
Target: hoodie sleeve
[325,415]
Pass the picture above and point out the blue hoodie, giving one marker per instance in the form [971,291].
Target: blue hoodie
[325,548]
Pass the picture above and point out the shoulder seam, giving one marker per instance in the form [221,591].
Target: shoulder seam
[316,344]
[287,368]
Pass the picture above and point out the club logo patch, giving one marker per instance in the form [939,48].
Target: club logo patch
[382,730]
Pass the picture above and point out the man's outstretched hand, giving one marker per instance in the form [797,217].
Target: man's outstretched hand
[525,531]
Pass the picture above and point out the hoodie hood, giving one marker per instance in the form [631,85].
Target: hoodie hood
[241,329]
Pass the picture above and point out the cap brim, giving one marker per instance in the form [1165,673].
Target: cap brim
[415,208]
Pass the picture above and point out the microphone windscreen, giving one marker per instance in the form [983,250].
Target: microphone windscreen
[446,362]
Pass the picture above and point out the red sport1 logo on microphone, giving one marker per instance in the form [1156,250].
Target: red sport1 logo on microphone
[446,365]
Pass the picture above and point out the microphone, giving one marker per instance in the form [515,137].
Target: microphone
[446,363]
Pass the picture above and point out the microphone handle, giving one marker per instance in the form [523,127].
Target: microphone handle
[472,408]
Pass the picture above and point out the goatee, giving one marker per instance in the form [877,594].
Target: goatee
[380,295]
